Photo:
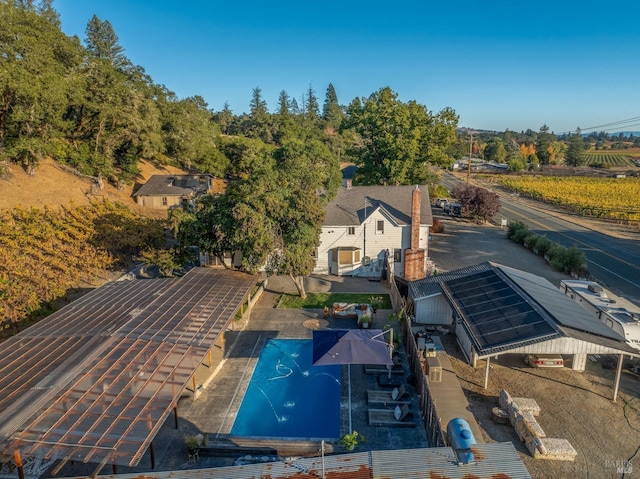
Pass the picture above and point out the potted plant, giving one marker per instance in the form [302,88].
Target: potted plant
[192,442]
[376,302]
[365,321]
[352,440]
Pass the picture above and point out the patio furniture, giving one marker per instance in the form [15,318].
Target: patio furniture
[397,396]
[391,417]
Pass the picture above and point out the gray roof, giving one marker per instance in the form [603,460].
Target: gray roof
[348,207]
[168,185]
[571,319]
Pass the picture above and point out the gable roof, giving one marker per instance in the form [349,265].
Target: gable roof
[168,185]
[504,308]
[348,208]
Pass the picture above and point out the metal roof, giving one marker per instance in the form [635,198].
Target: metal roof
[348,207]
[492,461]
[565,311]
[95,381]
[495,314]
[569,318]
[172,185]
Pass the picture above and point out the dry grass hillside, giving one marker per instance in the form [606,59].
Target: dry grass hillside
[51,186]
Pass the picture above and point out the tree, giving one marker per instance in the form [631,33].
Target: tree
[311,104]
[575,149]
[477,203]
[543,144]
[102,42]
[224,118]
[36,59]
[190,135]
[284,104]
[495,151]
[396,140]
[331,111]
[259,120]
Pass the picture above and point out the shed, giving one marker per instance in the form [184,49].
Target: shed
[495,310]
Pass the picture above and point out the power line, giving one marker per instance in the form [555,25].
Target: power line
[616,124]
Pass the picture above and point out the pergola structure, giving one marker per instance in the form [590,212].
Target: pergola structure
[95,381]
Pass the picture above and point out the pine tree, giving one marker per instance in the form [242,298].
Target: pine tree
[331,111]
[102,42]
[312,107]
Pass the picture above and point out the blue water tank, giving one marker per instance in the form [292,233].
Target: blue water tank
[461,439]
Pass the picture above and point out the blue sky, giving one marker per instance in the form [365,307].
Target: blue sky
[499,64]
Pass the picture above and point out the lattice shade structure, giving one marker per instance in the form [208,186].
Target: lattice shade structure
[496,313]
[96,380]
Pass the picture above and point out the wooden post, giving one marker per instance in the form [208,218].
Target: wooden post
[486,373]
[152,455]
[18,459]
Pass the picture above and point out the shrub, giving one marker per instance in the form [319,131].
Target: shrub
[542,245]
[518,232]
[530,240]
[438,226]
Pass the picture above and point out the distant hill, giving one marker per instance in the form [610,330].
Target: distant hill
[51,186]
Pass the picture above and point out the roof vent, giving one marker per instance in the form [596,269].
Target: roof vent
[595,288]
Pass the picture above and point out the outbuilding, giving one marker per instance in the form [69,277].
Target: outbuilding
[495,309]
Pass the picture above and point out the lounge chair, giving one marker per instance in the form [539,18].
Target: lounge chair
[388,398]
[391,417]
[382,369]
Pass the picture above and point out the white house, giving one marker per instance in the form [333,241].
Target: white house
[365,224]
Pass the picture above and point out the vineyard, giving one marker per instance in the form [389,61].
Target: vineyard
[603,159]
[607,198]
[45,253]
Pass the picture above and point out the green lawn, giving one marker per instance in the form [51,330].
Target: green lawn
[320,300]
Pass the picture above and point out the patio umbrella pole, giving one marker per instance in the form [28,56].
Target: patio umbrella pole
[349,383]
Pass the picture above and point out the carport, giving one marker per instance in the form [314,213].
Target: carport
[499,310]
[95,381]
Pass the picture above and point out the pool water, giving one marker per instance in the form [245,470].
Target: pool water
[288,397]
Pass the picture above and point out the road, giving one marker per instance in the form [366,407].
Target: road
[613,261]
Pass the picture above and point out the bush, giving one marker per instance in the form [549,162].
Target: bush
[530,240]
[438,226]
[542,245]
[518,232]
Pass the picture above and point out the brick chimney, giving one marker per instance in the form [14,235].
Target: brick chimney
[414,256]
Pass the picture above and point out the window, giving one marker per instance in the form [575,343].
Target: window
[164,201]
[380,226]
[351,230]
[397,255]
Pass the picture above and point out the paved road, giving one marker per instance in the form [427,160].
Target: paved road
[613,260]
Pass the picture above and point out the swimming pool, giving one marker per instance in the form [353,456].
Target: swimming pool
[288,397]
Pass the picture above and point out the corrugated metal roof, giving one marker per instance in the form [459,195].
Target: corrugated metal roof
[492,461]
[95,381]
[565,311]
[571,319]
[348,207]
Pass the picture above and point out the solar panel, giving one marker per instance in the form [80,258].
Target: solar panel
[495,313]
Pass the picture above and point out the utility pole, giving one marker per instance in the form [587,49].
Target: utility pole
[469,162]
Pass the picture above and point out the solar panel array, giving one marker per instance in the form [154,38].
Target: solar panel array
[496,314]
[96,380]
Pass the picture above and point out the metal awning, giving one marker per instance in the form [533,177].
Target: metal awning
[96,380]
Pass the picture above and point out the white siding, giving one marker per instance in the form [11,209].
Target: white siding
[433,310]
[371,242]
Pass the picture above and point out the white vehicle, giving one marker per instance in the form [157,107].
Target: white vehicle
[618,313]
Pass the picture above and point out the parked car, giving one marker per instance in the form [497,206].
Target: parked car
[440,202]
[544,360]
